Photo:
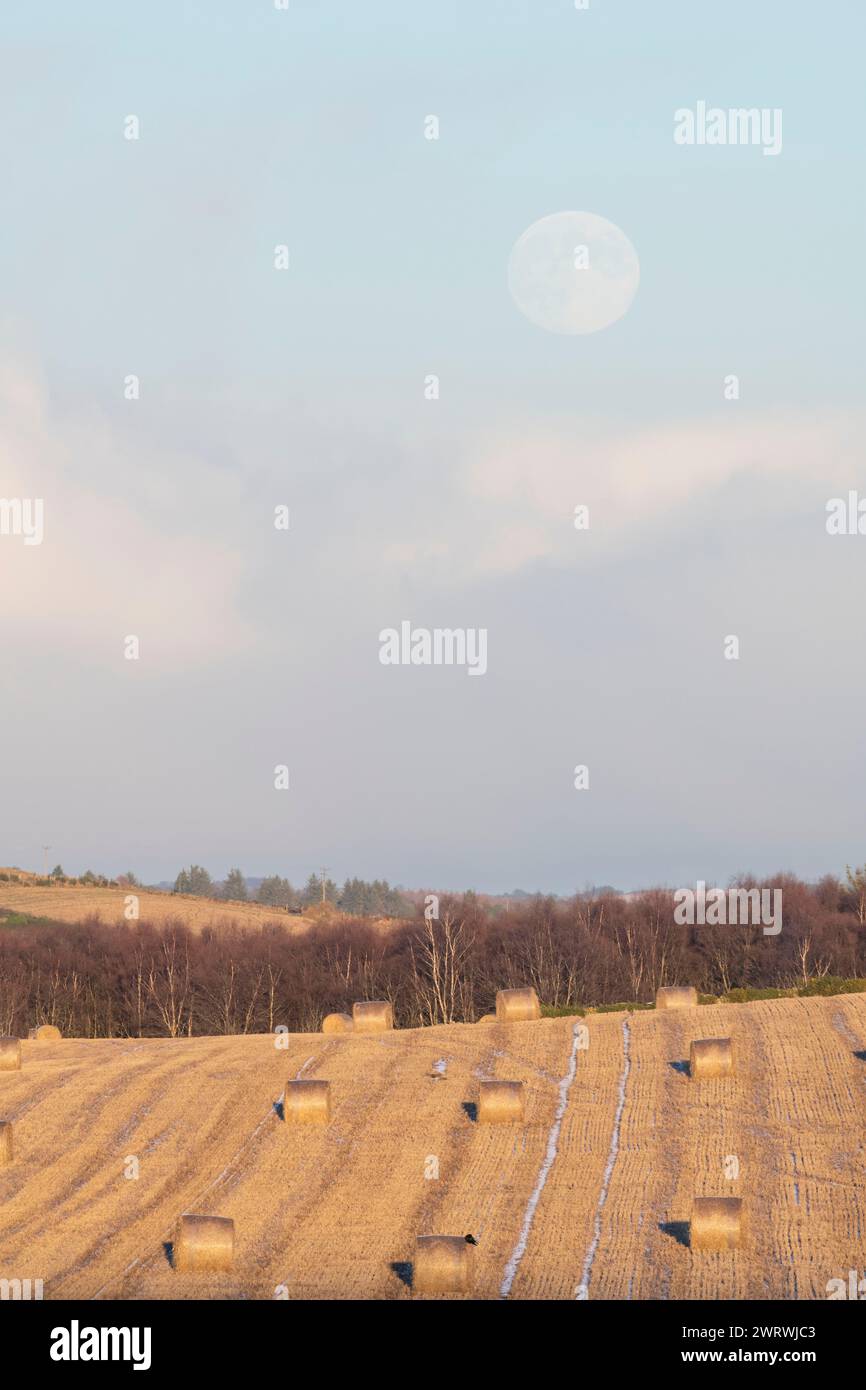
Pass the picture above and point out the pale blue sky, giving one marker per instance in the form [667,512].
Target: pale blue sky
[261,127]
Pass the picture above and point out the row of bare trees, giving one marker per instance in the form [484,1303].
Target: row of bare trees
[141,980]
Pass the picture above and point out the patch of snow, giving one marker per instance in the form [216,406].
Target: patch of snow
[549,1160]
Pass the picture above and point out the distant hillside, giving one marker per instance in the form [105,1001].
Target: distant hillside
[73,903]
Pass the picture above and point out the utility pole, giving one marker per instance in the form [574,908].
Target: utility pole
[45,849]
[323,870]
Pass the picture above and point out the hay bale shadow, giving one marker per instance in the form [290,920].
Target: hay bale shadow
[861,1056]
[280,1110]
[681,1067]
[404,1271]
[677,1230]
[471,1109]
[168,1251]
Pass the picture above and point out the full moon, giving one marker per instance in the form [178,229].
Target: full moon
[573,272]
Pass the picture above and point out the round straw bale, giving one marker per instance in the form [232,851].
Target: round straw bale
[443,1264]
[46,1032]
[487,1018]
[676,997]
[5,1142]
[710,1057]
[500,1102]
[718,1223]
[10,1054]
[307,1102]
[517,1005]
[372,1016]
[337,1023]
[204,1243]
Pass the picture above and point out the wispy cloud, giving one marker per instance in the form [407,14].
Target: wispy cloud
[509,500]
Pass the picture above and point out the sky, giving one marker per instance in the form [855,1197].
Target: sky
[306,388]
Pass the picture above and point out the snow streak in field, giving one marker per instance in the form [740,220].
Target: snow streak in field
[582,1291]
[549,1160]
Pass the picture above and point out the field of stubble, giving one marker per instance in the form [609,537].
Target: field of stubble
[598,1202]
[76,904]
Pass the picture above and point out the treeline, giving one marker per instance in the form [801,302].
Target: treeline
[141,980]
[57,877]
[375,899]
[357,896]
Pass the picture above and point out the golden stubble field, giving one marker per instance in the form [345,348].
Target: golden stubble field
[591,1202]
[72,904]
